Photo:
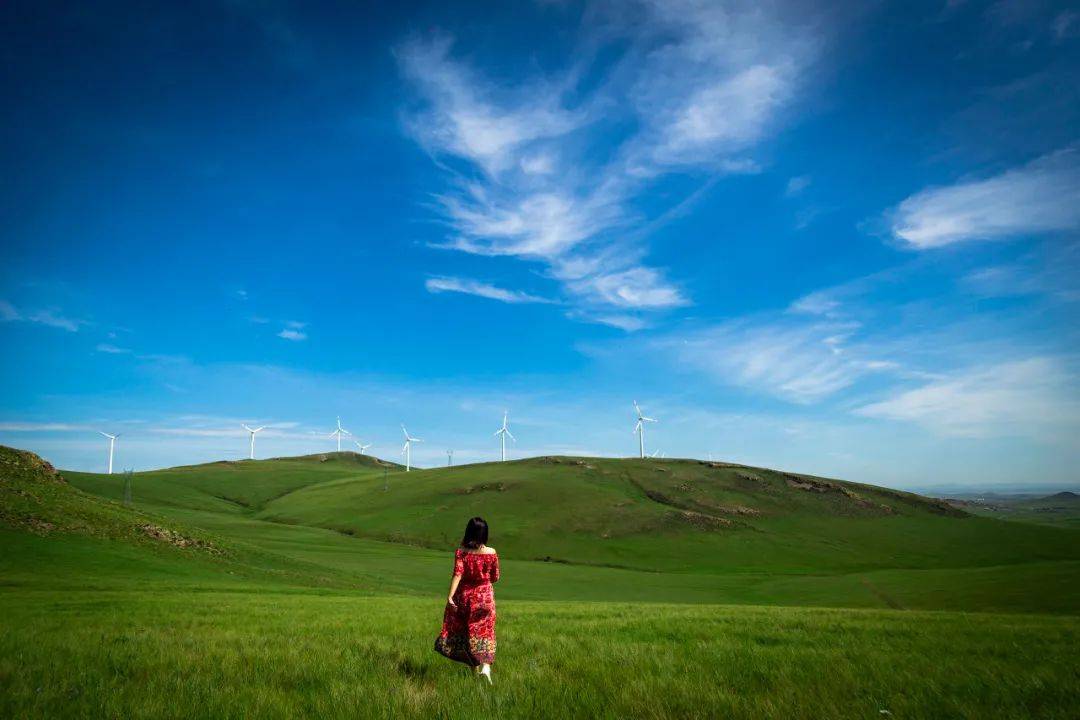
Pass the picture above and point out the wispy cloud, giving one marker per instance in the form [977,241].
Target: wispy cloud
[629,323]
[293,331]
[484,290]
[1033,397]
[701,83]
[112,349]
[796,360]
[638,287]
[47,316]
[1042,196]
[41,427]
[796,185]
[294,335]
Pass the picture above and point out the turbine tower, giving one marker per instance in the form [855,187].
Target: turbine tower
[338,433]
[252,431]
[503,432]
[639,428]
[363,448]
[407,447]
[449,458]
[112,446]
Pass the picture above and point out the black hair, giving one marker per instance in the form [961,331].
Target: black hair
[476,534]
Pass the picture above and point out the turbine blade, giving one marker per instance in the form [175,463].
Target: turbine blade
[512,435]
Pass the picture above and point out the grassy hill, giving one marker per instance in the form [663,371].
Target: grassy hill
[312,586]
[674,516]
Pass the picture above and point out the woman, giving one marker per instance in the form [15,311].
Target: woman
[468,631]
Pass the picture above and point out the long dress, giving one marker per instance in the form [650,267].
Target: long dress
[468,630]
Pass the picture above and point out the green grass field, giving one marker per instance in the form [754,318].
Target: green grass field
[313,587]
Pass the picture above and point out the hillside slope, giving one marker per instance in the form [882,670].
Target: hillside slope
[55,534]
[674,515]
[668,515]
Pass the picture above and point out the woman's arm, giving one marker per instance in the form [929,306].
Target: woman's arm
[454,581]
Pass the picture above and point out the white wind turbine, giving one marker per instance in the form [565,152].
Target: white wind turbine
[252,431]
[406,449]
[503,432]
[363,448]
[338,433]
[639,428]
[112,446]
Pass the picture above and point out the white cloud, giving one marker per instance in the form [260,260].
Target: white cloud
[41,427]
[292,334]
[112,349]
[796,361]
[1042,196]
[539,164]
[544,225]
[816,303]
[629,323]
[49,316]
[8,313]
[796,185]
[702,83]
[639,287]
[473,287]
[713,79]
[473,119]
[725,116]
[1034,397]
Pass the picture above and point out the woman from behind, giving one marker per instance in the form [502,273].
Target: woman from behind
[468,630]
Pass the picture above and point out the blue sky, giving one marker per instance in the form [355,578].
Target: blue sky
[833,238]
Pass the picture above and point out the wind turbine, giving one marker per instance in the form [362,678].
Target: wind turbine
[502,433]
[449,458]
[112,446]
[640,429]
[339,432]
[406,449]
[251,453]
[363,448]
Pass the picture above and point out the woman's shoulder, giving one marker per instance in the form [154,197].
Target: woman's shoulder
[486,550]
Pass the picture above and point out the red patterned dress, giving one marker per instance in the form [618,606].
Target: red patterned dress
[468,630]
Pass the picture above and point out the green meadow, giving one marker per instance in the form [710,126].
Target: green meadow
[313,587]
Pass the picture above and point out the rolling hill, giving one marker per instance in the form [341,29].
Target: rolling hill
[681,530]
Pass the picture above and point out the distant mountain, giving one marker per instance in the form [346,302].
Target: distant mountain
[1065,496]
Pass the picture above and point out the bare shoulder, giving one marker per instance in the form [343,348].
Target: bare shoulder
[488,550]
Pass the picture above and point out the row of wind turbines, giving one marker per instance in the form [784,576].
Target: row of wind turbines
[502,433]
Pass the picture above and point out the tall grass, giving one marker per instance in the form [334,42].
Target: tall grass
[141,654]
